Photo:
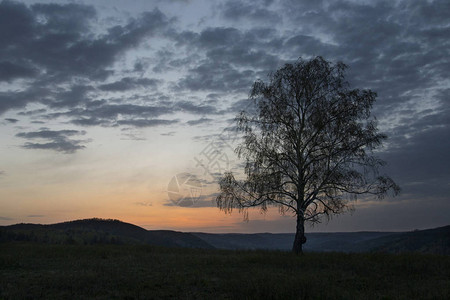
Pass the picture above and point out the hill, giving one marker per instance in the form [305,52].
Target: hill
[98,231]
[316,242]
[109,231]
[435,241]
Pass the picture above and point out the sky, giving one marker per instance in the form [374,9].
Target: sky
[124,109]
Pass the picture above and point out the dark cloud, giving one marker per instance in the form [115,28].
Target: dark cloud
[242,105]
[79,54]
[18,99]
[60,145]
[101,113]
[77,94]
[146,122]
[109,114]
[10,71]
[128,83]
[234,58]
[194,108]
[35,216]
[199,121]
[32,112]
[132,136]
[381,49]
[5,218]
[56,43]
[311,45]
[170,133]
[219,37]
[241,10]
[244,57]
[139,66]
[165,61]
[64,18]
[216,76]
[422,158]
[11,120]
[49,134]
[91,122]
[55,140]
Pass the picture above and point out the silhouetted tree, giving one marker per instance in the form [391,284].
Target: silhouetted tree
[309,146]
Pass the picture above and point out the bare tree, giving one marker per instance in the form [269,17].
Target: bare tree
[308,149]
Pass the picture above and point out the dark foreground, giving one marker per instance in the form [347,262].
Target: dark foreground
[39,271]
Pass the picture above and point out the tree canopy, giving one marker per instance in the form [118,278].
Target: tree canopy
[309,147]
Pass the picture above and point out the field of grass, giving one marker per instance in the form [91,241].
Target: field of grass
[39,271]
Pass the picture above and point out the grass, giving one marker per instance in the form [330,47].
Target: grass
[39,271]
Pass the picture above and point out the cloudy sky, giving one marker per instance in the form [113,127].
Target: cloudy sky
[108,106]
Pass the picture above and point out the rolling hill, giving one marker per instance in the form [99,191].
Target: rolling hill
[99,231]
[109,231]
[435,241]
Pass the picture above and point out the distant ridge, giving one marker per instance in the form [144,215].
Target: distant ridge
[111,231]
[436,241]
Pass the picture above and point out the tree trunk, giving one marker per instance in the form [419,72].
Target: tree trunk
[300,238]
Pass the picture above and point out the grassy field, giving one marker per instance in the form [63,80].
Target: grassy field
[38,271]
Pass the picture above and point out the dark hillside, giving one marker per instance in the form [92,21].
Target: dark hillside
[98,231]
[234,241]
[436,241]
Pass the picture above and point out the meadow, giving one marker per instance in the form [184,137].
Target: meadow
[46,271]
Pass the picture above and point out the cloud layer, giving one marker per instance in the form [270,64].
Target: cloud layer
[53,140]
